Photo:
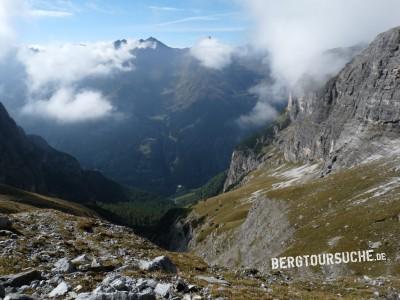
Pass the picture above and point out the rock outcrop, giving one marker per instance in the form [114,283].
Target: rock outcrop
[357,113]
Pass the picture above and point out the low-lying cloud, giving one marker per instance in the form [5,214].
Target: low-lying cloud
[212,53]
[68,105]
[297,33]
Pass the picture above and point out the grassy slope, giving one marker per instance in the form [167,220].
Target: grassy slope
[13,200]
[328,209]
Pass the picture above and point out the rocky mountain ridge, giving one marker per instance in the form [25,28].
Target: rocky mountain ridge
[278,199]
[28,162]
[355,116]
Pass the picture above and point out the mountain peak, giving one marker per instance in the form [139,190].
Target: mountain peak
[155,42]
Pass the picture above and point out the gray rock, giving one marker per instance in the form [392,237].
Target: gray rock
[163,289]
[119,284]
[60,290]
[354,116]
[242,163]
[374,245]
[181,286]
[5,222]
[20,279]
[2,291]
[146,294]
[213,280]
[108,296]
[81,260]
[161,263]
[64,266]
[18,297]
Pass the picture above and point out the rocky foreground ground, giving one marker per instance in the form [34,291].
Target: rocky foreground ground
[46,254]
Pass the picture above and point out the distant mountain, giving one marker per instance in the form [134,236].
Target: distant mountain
[178,119]
[29,163]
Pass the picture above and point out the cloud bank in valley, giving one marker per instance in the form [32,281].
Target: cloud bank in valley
[68,105]
[296,33]
[212,53]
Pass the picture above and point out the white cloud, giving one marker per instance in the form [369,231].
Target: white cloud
[296,32]
[264,110]
[68,63]
[50,13]
[70,106]
[262,113]
[212,53]
[54,71]
[10,11]
[165,8]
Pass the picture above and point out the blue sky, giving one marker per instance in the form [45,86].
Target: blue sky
[178,23]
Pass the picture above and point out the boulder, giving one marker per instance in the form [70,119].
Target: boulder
[163,289]
[160,263]
[60,290]
[81,260]
[119,284]
[64,266]
[20,279]
[5,222]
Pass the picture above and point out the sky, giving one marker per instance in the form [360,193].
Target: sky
[74,42]
[178,23]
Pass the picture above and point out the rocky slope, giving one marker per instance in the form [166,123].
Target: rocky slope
[47,254]
[283,203]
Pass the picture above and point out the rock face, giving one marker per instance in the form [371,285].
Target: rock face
[29,163]
[357,113]
[351,121]
[242,163]
[355,116]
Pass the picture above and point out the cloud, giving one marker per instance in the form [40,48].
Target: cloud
[10,12]
[212,53]
[165,8]
[262,113]
[67,105]
[50,13]
[296,35]
[190,19]
[68,63]
[53,71]
[296,32]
